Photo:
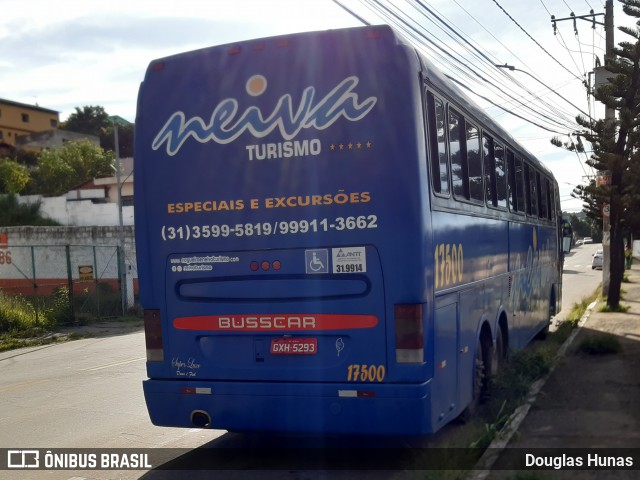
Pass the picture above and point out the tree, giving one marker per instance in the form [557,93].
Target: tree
[614,145]
[59,170]
[91,120]
[94,120]
[583,228]
[13,176]
[125,140]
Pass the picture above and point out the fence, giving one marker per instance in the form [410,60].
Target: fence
[88,274]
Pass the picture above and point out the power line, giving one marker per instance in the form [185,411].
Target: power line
[466,87]
[384,11]
[534,40]
[482,71]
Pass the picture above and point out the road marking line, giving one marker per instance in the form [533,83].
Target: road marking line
[116,364]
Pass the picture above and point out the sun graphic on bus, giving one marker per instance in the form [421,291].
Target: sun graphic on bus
[256,85]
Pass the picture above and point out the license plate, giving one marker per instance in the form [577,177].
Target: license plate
[294,346]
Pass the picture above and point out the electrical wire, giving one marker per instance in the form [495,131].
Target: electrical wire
[468,64]
[534,40]
[452,32]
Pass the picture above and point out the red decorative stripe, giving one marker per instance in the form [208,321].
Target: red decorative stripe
[275,322]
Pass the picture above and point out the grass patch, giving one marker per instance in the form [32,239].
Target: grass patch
[602,344]
[619,309]
[578,309]
[560,335]
[31,321]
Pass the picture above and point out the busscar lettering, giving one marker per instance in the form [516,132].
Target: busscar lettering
[267,323]
[226,124]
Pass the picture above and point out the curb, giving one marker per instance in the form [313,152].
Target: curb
[482,468]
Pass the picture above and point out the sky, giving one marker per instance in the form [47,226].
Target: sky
[73,53]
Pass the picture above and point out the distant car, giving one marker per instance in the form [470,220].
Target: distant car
[579,242]
[586,240]
[596,262]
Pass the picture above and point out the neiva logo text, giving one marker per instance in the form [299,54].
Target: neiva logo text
[227,124]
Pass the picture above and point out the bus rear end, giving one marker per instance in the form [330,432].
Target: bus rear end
[279,219]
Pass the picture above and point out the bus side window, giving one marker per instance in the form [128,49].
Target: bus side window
[542,196]
[533,190]
[527,185]
[474,162]
[438,151]
[520,186]
[550,212]
[488,149]
[501,176]
[513,198]
[458,163]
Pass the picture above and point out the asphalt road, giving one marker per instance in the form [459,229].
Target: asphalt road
[87,394]
[578,279]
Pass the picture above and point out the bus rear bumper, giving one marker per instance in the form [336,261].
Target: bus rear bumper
[301,407]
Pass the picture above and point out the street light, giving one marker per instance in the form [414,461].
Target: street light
[512,68]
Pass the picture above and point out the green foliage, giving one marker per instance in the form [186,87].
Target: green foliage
[19,314]
[60,311]
[28,315]
[600,345]
[59,170]
[94,120]
[125,139]
[14,213]
[491,430]
[13,176]
[88,119]
[617,309]
[513,382]
[584,227]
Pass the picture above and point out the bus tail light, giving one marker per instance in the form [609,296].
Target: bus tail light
[409,333]
[153,335]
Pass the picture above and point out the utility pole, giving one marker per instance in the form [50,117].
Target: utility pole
[610,117]
[122,266]
[603,178]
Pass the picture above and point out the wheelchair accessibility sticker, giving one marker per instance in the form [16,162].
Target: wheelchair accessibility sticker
[317,261]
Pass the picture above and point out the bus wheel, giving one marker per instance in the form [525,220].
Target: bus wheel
[542,334]
[480,380]
[499,353]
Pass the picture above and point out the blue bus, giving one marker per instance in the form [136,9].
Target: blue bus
[331,238]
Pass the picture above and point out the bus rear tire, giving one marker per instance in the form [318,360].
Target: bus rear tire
[481,376]
[499,353]
[542,334]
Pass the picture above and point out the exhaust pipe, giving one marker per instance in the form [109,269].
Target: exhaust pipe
[200,419]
